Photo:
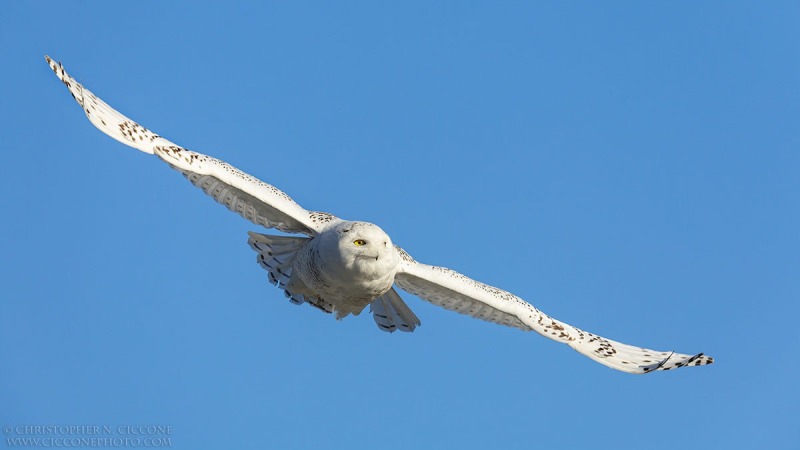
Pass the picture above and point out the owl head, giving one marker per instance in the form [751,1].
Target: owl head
[357,249]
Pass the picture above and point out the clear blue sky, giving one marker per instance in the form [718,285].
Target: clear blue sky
[630,169]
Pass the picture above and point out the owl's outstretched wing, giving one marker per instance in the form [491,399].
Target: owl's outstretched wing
[456,292]
[244,194]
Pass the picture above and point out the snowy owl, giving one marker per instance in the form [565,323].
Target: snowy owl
[340,266]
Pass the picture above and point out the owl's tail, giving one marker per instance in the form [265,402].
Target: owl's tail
[391,313]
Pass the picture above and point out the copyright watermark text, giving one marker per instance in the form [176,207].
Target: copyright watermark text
[83,436]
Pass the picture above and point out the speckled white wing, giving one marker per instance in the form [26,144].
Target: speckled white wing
[244,194]
[456,292]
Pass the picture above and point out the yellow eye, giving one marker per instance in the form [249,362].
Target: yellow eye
[360,242]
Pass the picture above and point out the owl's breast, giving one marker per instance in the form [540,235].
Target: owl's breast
[348,281]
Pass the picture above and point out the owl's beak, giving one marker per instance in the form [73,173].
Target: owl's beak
[367,255]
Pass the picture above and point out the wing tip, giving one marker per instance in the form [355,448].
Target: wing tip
[54,66]
[681,360]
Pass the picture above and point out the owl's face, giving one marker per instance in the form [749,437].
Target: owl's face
[356,252]
[362,240]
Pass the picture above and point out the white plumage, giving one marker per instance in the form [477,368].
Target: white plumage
[341,266]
